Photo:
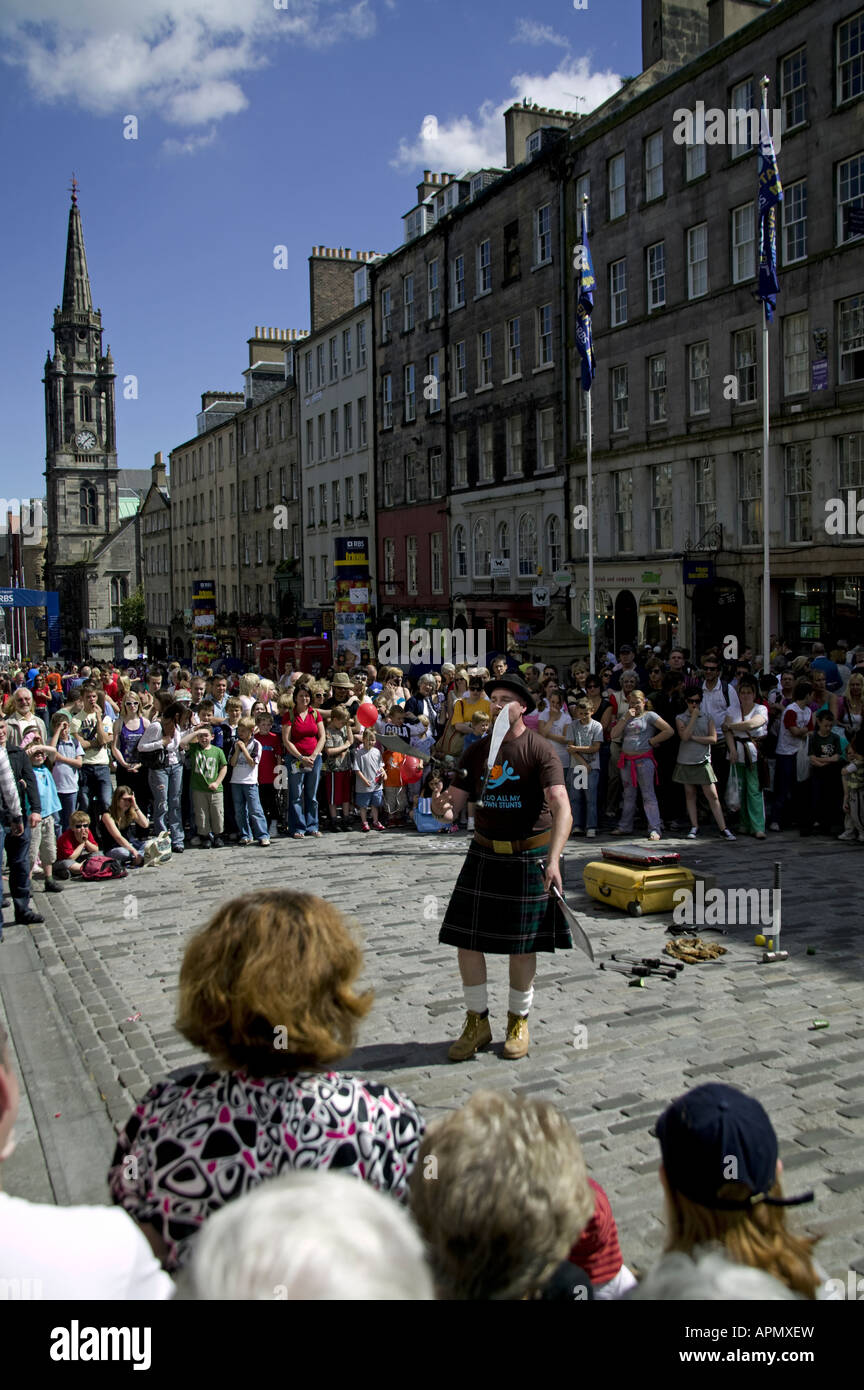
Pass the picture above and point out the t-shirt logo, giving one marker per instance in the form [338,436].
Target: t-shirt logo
[502,773]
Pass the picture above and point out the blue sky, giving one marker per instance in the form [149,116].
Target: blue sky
[260,122]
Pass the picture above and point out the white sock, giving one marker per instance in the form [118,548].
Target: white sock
[521,1001]
[475,998]
[470,822]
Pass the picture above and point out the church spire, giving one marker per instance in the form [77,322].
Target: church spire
[76,281]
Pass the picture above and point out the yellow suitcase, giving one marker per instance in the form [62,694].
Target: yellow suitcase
[636,890]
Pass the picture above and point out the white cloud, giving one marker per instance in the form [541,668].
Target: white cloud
[466,142]
[531,32]
[191,145]
[180,59]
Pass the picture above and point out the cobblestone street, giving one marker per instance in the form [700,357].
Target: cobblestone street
[89,998]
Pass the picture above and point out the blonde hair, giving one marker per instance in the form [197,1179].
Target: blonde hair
[249,683]
[247,724]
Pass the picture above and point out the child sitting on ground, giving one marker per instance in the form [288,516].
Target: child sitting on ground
[74,846]
[424,820]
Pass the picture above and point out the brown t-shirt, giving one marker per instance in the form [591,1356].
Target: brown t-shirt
[514,803]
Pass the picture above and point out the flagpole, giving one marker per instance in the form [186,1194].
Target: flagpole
[589,497]
[766,428]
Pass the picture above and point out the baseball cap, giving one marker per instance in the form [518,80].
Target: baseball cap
[716,1134]
[625,648]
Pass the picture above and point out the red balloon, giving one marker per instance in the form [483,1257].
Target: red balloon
[367,715]
[411,772]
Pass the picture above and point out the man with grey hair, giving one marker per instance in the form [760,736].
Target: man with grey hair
[67,1252]
[311,1236]
[422,703]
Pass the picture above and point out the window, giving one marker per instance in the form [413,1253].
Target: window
[349,499]
[460,553]
[850,193]
[795,222]
[220,464]
[346,351]
[85,407]
[257,496]
[389,562]
[436,568]
[695,163]
[484,267]
[319,364]
[797,480]
[704,495]
[618,292]
[436,473]
[322,437]
[322,504]
[545,440]
[407,303]
[411,564]
[512,260]
[514,349]
[458,280]
[656,268]
[513,436]
[741,102]
[433,292]
[386,316]
[335,503]
[307,366]
[544,335]
[310,445]
[281,414]
[387,483]
[484,359]
[259,549]
[502,543]
[697,261]
[233,499]
[543,234]
[657,389]
[410,385]
[699,376]
[242,434]
[363,494]
[459,374]
[244,502]
[796,355]
[851,338]
[743,244]
[744,351]
[553,544]
[624,509]
[221,501]
[661,506]
[410,478]
[387,401]
[460,459]
[749,467]
[850,58]
[793,89]
[526,542]
[348,426]
[310,506]
[654,166]
[88,505]
[334,433]
[361,422]
[850,469]
[617,191]
[480,552]
[486,451]
[433,370]
[361,346]
[620,399]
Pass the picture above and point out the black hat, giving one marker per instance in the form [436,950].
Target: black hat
[517,685]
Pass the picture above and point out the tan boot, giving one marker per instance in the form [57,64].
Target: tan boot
[518,1040]
[477,1033]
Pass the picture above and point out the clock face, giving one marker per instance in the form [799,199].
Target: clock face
[85,439]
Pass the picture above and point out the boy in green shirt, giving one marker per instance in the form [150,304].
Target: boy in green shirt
[209,769]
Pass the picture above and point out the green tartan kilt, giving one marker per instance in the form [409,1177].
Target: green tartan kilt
[499,906]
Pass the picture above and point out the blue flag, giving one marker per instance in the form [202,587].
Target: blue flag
[770,197]
[585,307]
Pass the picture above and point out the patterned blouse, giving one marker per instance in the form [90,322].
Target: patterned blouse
[202,1137]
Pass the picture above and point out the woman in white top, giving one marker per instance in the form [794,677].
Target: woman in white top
[741,737]
[556,727]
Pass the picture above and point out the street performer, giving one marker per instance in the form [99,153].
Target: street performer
[501,903]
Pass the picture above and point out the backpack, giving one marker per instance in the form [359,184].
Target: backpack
[100,866]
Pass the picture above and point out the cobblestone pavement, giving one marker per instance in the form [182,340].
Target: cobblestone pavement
[105,965]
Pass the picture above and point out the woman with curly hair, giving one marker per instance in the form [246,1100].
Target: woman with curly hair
[267,991]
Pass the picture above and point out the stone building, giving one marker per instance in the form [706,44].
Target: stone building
[92,551]
[156,560]
[677,401]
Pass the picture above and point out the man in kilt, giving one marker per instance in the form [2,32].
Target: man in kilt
[501,904]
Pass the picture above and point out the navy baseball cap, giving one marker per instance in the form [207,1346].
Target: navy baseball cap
[716,1134]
